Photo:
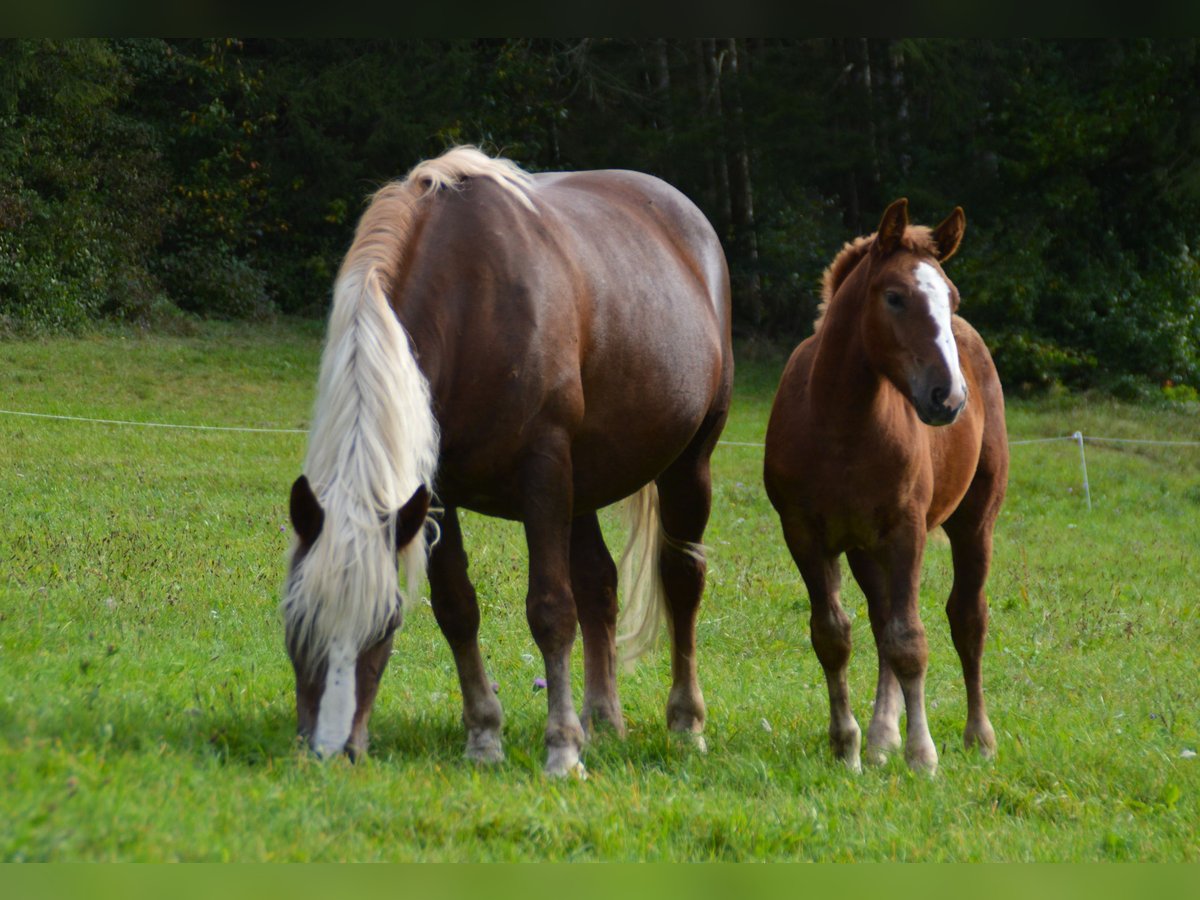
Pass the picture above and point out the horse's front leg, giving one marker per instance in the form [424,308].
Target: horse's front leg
[903,642]
[547,501]
[594,585]
[457,612]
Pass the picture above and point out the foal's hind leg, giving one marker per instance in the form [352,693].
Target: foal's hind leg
[830,630]
[883,734]
[967,609]
[594,584]
[685,502]
[457,612]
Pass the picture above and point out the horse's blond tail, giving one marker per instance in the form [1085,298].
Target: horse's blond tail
[645,609]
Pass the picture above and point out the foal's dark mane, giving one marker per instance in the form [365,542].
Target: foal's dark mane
[917,239]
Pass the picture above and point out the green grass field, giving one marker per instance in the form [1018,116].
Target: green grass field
[146,700]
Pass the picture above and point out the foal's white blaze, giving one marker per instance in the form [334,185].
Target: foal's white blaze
[937,293]
[335,715]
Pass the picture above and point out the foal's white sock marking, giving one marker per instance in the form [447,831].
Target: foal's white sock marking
[335,715]
[935,289]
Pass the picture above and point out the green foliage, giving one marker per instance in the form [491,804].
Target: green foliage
[224,176]
[79,186]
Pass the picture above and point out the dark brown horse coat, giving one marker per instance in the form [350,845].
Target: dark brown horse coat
[573,330]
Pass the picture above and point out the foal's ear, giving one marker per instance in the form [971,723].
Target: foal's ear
[411,517]
[307,515]
[949,234]
[891,227]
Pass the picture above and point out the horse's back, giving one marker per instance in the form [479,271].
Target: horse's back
[603,313]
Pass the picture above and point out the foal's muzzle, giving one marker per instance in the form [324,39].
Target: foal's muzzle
[931,407]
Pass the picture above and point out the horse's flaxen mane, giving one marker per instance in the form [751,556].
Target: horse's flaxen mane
[383,230]
[917,239]
[373,439]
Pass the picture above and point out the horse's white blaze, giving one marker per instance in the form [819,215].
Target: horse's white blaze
[335,715]
[937,293]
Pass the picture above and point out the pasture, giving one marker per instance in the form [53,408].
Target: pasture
[146,701]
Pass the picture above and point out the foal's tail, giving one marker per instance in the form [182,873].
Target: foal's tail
[645,609]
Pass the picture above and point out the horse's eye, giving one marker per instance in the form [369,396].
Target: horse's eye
[894,299]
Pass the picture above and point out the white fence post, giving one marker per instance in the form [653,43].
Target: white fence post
[1087,491]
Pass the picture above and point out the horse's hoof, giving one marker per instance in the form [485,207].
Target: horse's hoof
[485,748]
[846,744]
[598,723]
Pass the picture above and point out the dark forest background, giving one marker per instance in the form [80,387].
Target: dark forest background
[152,180]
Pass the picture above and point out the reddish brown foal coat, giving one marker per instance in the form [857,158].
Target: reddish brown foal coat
[889,422]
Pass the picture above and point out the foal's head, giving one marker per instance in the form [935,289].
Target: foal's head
[909,306]
[341,605]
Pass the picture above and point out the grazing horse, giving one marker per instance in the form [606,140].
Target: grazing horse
[533,347]
[888,422]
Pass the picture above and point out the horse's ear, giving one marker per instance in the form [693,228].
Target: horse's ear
[411,517]
[891,227]
[949,234]
[307,516]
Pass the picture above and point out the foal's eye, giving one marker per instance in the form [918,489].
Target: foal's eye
[894,299]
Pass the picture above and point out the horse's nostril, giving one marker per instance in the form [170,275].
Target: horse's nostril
[939,396]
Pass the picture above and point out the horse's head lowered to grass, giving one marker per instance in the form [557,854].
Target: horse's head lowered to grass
[338,668]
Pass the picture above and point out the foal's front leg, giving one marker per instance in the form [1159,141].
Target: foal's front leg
[547,500]
[830,627]
[883,734]
[904,646]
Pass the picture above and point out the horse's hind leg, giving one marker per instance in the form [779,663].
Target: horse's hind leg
[970,532]
[830,630]
[685,502]
[457,612]
[883,734]
[594,584]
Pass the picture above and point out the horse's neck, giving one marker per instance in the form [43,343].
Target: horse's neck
[844,388]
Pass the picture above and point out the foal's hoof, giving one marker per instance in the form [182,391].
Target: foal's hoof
[880,746]
[876,756]
[922,759]
[982,739]
[564,762]
[693,739]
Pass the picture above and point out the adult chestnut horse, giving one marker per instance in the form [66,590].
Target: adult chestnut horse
[534,347]
[888,422]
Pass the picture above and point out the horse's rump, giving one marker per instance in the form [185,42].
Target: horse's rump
[604,311]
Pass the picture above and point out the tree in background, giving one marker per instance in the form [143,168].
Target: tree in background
[223,177]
